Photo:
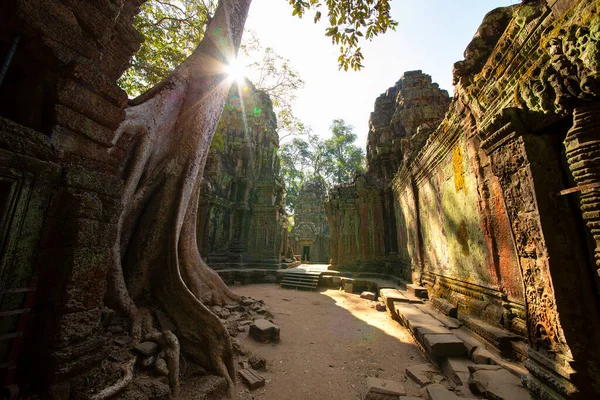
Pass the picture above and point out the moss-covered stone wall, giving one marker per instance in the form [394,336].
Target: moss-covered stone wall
[499,200]
[242,222]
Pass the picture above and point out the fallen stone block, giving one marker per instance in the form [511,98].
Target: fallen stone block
[457,369]
[444,345]
[418,291]
[251,379]
[380,307]
[348,287]
[450,323]
[421,373]
[367,295]
[481,356]
[383,389]
[498,385]
[445,306]
[264,331]
[439,392]
[414,318]
[421,331]
[410,398]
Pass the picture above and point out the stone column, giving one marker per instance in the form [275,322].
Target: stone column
[582,146]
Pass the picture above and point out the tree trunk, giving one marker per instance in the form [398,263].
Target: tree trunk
[167,134]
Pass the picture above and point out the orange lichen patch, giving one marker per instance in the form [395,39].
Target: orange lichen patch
[459,172]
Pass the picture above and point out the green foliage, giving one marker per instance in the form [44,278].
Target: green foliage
[172,29]
[349,22]
[274,75]
[334,160]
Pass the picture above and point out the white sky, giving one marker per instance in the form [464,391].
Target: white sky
[431,36]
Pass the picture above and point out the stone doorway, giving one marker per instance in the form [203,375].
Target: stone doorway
[306,253]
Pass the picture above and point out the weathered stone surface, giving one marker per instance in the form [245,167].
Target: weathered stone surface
[241,218]
[444,345]
[418,291]
[439,392]
[457,369]
[368,295]
[385,387]
[251,379]
[264,331]
[421,373]
[445,306]
[498,385]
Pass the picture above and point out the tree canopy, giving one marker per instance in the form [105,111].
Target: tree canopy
[334,160]
[173,28]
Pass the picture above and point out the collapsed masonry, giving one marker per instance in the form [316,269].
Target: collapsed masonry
[495,209]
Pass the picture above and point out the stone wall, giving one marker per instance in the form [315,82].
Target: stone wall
[503,196]
[362,215]
[310,235]
[242,222]
[59,185]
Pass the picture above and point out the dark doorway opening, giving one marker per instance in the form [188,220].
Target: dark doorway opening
[306,253]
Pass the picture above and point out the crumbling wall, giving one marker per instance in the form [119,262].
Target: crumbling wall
[501,197]
[59,108]
[362,215]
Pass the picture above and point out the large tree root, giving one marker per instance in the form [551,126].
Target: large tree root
[120,385]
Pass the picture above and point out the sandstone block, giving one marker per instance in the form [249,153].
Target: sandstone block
[383,389]
[457,369]
[368,295]
[418,291]
[444,345]
[251,379]
[499,385]
[439,392]
[264,331]
[421,373]
[445,306]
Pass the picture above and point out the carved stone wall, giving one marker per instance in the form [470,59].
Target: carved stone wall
[362,215]
[497,214]
[310,235]
[59,189]
[242,221]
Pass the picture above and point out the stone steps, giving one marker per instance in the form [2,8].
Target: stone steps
[300,280]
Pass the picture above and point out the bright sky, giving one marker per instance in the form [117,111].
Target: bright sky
[431,36]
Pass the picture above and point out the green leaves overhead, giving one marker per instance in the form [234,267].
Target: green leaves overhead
[274,75]
[172,29]
[349,22]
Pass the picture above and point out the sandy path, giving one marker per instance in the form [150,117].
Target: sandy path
[330,342]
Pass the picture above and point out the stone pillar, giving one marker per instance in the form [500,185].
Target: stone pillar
[582,146]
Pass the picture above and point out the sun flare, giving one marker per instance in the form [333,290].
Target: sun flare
[236,71]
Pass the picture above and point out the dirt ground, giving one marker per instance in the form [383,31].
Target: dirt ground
[331,341]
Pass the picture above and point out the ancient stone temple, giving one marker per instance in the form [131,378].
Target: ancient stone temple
[59,189]
[242,221]
[496,208]
[362,214]
[310,235]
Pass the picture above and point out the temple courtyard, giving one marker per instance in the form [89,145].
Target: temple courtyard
[331,341]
